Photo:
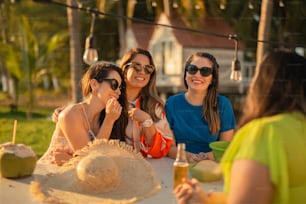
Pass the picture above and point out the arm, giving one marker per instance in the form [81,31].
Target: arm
[191,192]
[56,113]
[149,132]
[250,183]
[191,157]
[227,135]
[112,113]
[72,126]
[163,137]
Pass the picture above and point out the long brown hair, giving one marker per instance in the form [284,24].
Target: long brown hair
[280,86]
[102,70]
[148,94]
[210,108]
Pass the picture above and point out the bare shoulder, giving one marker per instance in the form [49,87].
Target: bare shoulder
[71,112]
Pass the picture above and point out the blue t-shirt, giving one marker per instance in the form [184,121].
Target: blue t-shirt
[189,126]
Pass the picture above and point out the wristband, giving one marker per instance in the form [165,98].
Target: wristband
[147,123]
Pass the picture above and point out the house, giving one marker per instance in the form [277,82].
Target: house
[170,48]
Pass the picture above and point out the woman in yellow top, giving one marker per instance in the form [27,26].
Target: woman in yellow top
[266,161]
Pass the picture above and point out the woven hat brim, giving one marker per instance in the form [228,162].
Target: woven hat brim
[137,178]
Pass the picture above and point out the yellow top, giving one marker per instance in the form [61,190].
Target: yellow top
[279,142]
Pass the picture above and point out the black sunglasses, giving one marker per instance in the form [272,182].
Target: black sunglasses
[149,69]
[114,84]
[193,69]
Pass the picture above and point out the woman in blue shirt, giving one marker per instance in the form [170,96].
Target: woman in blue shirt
[200,115]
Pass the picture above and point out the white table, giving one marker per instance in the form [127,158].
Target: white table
[17,191]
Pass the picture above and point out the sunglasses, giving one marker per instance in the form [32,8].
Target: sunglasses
[204,71]
[114,84]
[148,69]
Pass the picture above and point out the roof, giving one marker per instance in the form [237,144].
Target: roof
[212,33]
[143,33]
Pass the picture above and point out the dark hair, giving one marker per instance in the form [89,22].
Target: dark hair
[102,70]
[278,87]
[148,94]
[210,108]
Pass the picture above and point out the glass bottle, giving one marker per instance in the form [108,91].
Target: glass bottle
[180,165]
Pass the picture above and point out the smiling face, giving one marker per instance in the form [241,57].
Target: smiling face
[197,82]
[139,79]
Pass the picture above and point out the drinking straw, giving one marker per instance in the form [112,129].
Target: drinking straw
[14,131]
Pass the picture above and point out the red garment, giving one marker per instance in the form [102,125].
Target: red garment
[155,150]
[163,136]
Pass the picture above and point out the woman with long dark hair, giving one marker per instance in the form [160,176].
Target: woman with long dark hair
[200,115]
[148,129]
[102,114]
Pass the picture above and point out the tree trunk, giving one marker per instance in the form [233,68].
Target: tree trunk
[75,51]
[264,30]
[121,30]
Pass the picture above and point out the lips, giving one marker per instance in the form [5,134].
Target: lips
[197,81]
[140,78]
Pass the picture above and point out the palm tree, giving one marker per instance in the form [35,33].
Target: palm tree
[264,29]
[76,63]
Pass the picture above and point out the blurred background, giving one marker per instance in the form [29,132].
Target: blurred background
[43,44]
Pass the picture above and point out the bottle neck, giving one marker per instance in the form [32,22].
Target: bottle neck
[181,153]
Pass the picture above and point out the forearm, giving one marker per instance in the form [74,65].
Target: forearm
[172,152]
[105,129]
[191,157]
[216,198]
[149,133]
[227,135]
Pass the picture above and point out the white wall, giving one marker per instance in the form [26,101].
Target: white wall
[170,56]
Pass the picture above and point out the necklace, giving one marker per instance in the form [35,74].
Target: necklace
[133,103]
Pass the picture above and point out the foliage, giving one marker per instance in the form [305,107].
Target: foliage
[25,57]
[288,28]
[48,24]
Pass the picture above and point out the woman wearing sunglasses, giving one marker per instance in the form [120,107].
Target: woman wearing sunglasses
[266,161]
[148,129]
[200,115]
[101,115]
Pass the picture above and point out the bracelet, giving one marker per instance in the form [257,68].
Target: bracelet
[147,123]
[203,156]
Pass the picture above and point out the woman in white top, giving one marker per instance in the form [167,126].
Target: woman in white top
[101,115]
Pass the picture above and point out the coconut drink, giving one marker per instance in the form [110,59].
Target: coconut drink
[16,160]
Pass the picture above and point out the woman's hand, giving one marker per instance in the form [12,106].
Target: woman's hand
[113,109]
[61,157]
[194,158]
[137,114]
[190,191]
[56,113]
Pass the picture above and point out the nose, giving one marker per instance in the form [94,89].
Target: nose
[118,91]
[142,70]
[198,73]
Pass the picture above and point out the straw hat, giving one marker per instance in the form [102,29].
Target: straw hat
[104,172]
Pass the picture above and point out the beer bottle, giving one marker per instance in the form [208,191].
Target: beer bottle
[180,165]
